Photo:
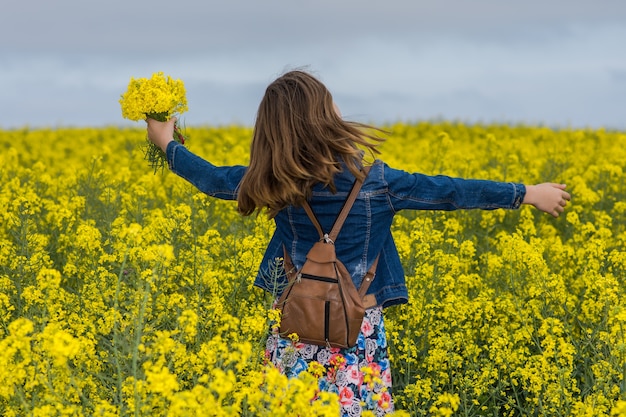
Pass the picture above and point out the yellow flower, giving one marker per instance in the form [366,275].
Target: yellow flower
[59,344]
[620,409]
[159,96]
[160,380]
[316,369]
[188,321]
[445,405]
[274,316]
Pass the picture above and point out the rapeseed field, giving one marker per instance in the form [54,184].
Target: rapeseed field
[125,292]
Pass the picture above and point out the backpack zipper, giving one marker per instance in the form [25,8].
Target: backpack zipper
[327,322]
[316,278]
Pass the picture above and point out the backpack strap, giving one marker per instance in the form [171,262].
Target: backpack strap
[334,232]
[314,220]
[332,236]
[343,214]
[368,278]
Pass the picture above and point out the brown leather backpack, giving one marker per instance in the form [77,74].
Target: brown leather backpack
[321,303]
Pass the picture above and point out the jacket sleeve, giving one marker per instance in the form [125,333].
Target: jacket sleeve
[217,181]
[416,191]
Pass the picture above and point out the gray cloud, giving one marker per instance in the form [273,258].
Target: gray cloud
[123,26]
[557,62]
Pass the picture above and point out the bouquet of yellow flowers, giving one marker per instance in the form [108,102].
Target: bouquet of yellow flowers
[159,98]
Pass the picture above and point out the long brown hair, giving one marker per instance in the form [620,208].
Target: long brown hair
[299,140]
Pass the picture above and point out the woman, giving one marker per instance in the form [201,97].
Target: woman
[302,150]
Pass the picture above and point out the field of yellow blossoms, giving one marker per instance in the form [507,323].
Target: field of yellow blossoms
[128,293]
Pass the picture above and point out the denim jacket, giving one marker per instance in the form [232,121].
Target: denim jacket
[367,229]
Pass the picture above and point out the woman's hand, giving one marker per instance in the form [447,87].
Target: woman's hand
[161,133]
[548,197]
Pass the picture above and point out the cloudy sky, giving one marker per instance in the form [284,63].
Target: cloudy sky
[560,63]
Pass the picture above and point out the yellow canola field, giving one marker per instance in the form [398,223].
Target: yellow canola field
[125,292]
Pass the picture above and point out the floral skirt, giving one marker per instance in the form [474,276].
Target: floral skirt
[359,375]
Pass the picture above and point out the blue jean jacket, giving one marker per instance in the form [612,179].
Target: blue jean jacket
[367,230]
